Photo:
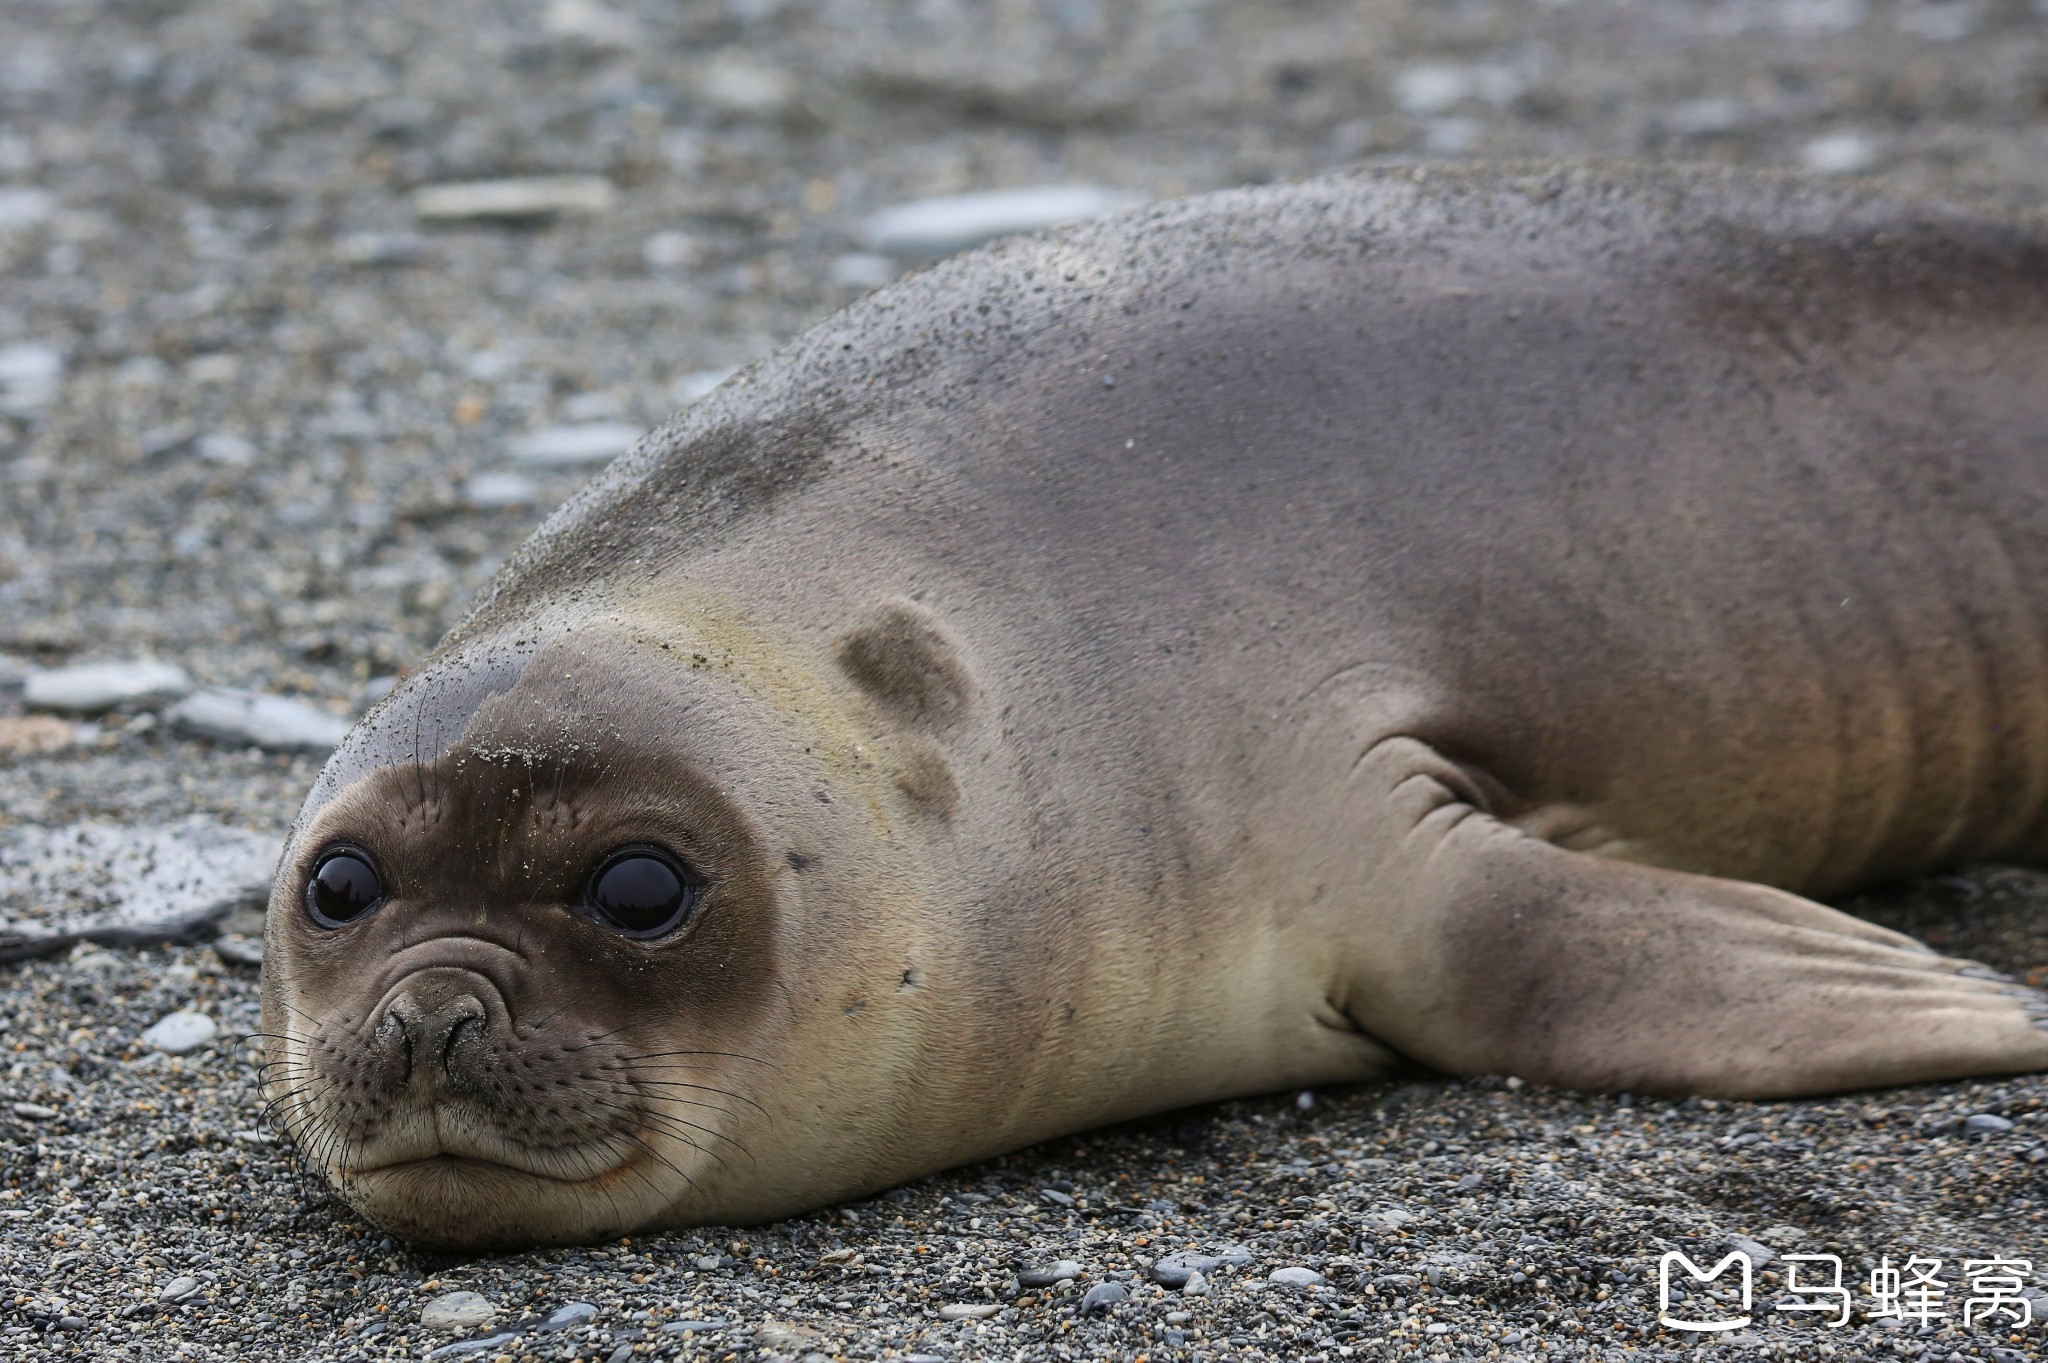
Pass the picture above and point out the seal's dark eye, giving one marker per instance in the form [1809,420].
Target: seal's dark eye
[344,887]
[641,892]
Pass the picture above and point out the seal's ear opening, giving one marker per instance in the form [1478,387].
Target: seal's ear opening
[904,656]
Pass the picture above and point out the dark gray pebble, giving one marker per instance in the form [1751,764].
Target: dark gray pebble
[568,1317]
[1175,1269]
[464,1348]
[1102,1296]
[676,1327]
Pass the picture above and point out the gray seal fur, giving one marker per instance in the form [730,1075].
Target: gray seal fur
[1467,617]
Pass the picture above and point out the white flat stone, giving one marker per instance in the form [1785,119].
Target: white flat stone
[862,270]
[589,22]
[698,383]
[961,1310]
[936,227]
[92,687]
[1438,88]
[589,442]
[225,448]
[737,84]
[29,376]
[179,1033]
[380,248]
[538,196]
[1430,89]
[23,206]
[97,877]
[276,722]
[596,406]
[489,491]
[177,1289]
[671,251]
[239,950]
[1839,154]
[30,363]
[454,1311]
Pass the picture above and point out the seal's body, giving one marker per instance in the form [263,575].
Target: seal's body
[1236,645]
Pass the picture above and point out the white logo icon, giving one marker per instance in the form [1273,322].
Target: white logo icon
[1698,1274]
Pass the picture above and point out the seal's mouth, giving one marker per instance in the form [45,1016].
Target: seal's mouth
[463,1202]
[452,1139]
[457,1166]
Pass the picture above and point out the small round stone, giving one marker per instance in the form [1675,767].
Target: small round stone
[1295,1277]
[1986,1124]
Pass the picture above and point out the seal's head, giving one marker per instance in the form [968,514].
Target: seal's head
[529,954]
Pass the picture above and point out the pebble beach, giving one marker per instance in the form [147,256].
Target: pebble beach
[309,314]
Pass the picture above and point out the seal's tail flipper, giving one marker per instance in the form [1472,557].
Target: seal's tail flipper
[1519,957]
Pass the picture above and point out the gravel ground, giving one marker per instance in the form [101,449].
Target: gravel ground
[260,416]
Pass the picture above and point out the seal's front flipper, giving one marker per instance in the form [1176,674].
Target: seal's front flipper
[1514,956]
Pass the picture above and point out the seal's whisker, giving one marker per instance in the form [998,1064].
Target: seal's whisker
[676,1126]
[287,1003]
[649,1148]
[726,1055]
[670,1120]
[595,1037]
[696,1103]
[643,1080]
[544,1019]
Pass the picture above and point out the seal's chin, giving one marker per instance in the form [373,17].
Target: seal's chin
[457,1201]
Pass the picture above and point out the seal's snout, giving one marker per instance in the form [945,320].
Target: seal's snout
[436,1023]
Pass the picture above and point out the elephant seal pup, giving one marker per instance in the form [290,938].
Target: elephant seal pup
[1448,615]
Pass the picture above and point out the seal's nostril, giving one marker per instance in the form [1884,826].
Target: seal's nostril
[393,1033]
[454,1033]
